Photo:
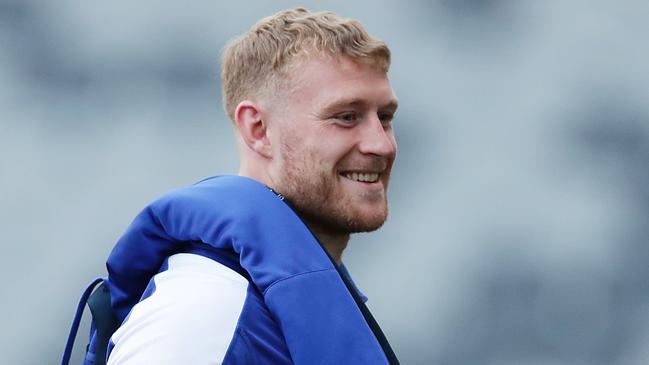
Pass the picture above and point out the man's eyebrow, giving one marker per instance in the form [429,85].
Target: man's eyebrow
[392,105]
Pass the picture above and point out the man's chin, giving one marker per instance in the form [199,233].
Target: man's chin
[367,220]
[362,227]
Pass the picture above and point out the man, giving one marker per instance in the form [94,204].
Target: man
[232,275]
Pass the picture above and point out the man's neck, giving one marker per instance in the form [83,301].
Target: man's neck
[335,244]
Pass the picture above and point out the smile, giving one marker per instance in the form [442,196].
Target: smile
[367,177]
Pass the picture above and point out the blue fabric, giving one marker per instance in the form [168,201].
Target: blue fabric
[292,275]
[257,338]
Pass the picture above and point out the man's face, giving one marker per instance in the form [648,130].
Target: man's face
[333,143]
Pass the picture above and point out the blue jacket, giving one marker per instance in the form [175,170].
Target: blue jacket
[300,307]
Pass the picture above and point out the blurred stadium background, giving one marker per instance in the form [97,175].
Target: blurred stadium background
[519,229]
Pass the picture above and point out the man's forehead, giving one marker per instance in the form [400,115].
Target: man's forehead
[303,66]
[324,71]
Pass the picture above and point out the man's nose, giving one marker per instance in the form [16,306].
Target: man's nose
[377,139]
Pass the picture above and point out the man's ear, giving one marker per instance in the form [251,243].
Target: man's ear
[252,127]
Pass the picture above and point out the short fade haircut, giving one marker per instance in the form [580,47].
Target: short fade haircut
[254,62]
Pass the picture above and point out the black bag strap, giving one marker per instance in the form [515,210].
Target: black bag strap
[104,321]
[77,320]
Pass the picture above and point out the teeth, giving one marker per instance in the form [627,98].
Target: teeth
[364,177]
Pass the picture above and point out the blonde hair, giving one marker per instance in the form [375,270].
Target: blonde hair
[253,63]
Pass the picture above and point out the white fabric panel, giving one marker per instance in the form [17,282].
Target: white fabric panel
[189,319]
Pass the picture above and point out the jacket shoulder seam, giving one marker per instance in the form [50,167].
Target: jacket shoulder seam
[293,276]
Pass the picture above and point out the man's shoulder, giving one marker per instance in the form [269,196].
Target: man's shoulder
[199,309]
[192,308]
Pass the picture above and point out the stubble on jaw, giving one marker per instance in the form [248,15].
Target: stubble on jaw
[316,196]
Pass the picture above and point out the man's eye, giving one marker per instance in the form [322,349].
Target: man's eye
[347,117]
[386,118]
